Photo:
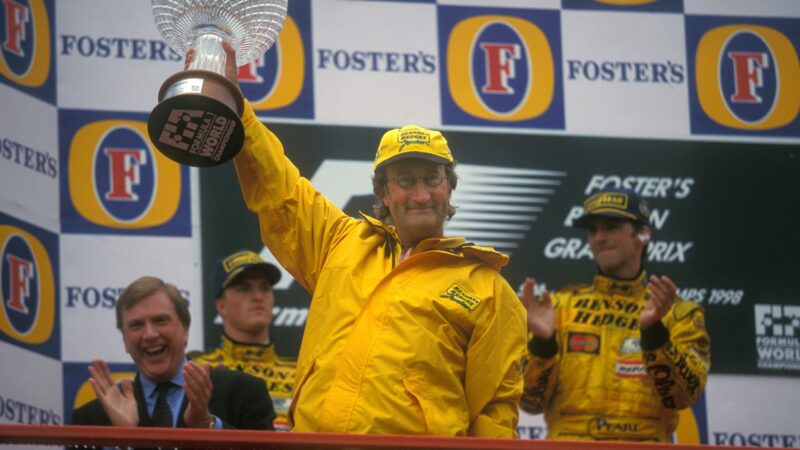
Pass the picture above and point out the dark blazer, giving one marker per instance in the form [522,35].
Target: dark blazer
[239,400]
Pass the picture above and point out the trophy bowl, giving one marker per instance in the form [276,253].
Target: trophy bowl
[197,120]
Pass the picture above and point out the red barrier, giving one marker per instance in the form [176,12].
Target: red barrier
[239,439]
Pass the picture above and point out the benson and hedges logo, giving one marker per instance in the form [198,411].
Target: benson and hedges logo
[117,182]
[743,75]
[28,287]
[25,51]
[778,336]
[280,83]
[501,67]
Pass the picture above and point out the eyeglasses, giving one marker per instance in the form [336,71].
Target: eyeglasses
[407,181]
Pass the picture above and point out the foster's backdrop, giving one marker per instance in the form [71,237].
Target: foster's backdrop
[693,103]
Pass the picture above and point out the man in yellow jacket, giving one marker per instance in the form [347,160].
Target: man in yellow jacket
[617,359]
[409,332]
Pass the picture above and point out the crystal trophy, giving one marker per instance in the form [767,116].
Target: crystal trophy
[197,120]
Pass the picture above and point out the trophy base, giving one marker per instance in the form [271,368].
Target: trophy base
[196,121]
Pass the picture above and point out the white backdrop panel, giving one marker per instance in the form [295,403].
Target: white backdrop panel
[110,56]
[29,160]
[394,93]
[623,72]
[95,269]
[755,411]
[31,388]
[772,8]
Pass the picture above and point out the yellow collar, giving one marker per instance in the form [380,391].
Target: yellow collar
[632,288]
[247,352]
[488,255]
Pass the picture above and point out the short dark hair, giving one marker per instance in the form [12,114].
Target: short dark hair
[379,181]
[147,286]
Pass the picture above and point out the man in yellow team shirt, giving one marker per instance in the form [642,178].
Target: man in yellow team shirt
[244,301]
[615,359]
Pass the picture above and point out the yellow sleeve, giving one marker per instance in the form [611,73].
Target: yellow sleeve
[540,383]
[541,376]
[298,224]
[678,367]
[495,360]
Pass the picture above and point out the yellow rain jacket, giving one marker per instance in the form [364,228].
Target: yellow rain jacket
[433,345]
[602,378]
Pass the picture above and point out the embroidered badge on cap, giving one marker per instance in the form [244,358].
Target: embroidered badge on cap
[413,136]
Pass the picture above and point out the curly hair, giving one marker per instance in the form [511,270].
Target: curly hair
[379,181]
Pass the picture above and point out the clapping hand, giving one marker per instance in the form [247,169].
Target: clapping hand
[663,293]
[198,391]
[541,313]
[118,403]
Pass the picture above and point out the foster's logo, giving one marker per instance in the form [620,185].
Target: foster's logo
[25,55]
[27,289]
[745,76]
[117,181]
[279,82]
[501,69]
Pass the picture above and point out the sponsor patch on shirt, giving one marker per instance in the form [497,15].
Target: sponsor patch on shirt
[630,345]
[583,343]
[459,295]
[621,428]
[630,369]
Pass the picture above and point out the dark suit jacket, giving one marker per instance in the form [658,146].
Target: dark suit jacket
[240,400]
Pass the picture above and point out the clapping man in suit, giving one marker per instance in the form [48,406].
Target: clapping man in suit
[169,391]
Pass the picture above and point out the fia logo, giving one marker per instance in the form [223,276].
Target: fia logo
[28,288]
[625,5]
[777,320]
[501,69]
[744,76]
[279,83]
[117,181]
[25,46]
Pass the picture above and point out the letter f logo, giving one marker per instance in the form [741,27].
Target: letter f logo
[499,67]
[767,317]
[248,73]
[748,73]
[21,272]
[16,18]
[124,172]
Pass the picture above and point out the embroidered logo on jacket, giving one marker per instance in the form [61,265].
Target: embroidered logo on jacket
[630,369]
[457,294]
[630,345]
[583,343]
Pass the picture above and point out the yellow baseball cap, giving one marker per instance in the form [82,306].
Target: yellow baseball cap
[412,141]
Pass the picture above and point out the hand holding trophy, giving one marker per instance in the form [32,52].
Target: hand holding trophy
[196,121]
